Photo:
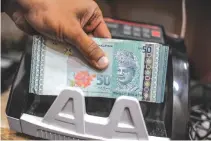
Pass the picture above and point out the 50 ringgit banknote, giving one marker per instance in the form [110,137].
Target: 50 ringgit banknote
[136,69]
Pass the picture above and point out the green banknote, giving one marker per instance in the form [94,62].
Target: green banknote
[136,69]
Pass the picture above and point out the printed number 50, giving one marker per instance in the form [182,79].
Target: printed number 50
[147,49]
[103,80]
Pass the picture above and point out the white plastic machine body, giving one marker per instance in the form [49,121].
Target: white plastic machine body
[66,119]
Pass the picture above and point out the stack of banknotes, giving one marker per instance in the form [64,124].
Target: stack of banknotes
[136,68]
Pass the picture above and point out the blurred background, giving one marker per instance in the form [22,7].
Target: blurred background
[197,34]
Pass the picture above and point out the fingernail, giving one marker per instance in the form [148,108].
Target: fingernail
[102,62]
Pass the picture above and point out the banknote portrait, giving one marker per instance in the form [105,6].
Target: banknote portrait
[126,72]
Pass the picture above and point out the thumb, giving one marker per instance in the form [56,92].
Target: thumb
[91,51]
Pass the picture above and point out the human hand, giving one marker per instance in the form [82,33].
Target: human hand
[69,21]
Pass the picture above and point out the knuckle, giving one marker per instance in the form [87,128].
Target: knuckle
[93,4]
[76,36]
[93,51]
[73,34]
[96,12]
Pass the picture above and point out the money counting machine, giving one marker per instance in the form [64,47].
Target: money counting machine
[70,115]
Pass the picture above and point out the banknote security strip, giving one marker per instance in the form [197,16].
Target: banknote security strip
[136,69]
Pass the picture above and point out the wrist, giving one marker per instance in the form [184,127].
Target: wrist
[30,4]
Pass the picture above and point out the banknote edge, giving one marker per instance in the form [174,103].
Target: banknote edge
[37,59]
[160,75]
[165,71]
[42,63]
[37,74]
[31,84]
[34,68]
[155,74]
